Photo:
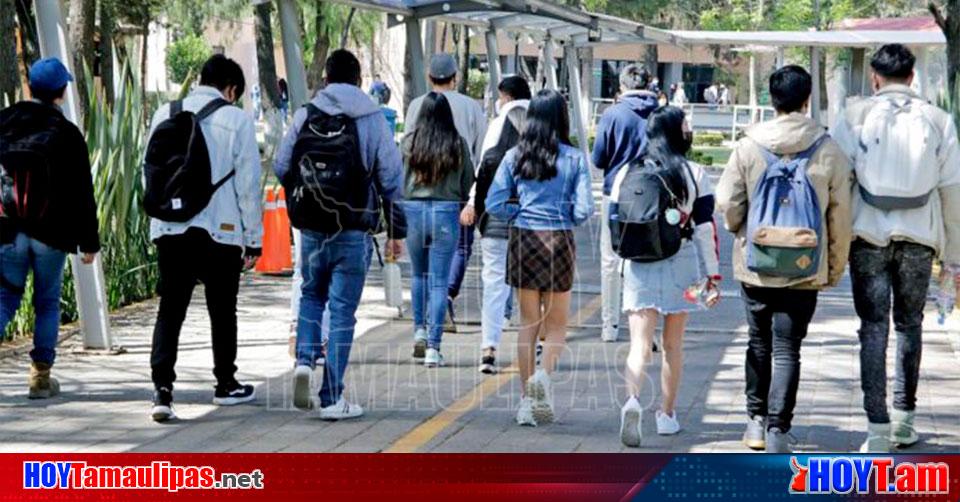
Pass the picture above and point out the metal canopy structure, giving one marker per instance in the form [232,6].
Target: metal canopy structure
[542,19]
[842,38]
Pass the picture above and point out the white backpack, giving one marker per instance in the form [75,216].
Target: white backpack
[897,165]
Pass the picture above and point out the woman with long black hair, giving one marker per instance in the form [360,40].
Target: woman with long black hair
[674,286]
[551,182]
[438,177]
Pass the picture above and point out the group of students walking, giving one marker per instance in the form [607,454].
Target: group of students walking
[801,203]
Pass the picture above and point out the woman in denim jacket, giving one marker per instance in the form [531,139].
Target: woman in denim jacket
[551,182]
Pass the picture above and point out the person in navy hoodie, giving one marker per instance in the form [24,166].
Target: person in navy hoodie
[621,138]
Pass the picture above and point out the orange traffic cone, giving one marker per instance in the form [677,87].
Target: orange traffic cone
[276,258]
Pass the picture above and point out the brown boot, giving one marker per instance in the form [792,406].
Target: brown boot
[42,385]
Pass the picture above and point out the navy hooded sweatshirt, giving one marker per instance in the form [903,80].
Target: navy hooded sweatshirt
[622,134]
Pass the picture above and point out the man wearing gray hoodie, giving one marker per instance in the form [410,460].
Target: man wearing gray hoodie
[334,262]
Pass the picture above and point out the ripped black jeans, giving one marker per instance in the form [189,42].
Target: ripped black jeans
[900,269]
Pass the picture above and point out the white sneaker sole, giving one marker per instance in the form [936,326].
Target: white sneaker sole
[542,410]
[301,391]
[162,414]
[904,442]
[630,428]
[488,369]
[231,401]
[336,417]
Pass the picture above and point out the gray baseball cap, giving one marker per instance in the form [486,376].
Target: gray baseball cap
[442,66]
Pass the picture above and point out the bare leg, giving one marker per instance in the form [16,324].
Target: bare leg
[556,309]
[643,323]
[530,321]
[673,328]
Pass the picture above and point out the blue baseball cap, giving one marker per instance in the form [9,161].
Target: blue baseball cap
[49,74]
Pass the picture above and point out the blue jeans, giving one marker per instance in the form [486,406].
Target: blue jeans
[334,268]
[458,269]
[432,234]
[17,259]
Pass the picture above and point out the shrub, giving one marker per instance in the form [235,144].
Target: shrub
[477,85]
[186,56]
[710,138]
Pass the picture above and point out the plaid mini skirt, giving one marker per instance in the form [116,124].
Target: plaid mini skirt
[541,260]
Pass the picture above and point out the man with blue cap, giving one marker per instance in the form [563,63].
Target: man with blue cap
[47,210]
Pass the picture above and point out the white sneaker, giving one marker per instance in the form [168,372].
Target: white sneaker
[902,432]
[878,439]
[631,423]
[540,390]
[525,413]
[610,334]
[433,359]
[342,410]
[302,398]
[667,425]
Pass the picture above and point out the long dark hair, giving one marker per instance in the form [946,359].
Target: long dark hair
[667,148]
[435,149]
[547,126]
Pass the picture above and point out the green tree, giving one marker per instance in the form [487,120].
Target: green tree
[186,56]
[9,78]
[949,21]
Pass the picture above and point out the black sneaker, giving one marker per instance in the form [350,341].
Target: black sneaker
[488,363]
[233,393]
[162,405]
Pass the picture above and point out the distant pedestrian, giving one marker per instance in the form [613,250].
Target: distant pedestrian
[381,94]
[439,175]
[785,193]
[658,281]
[503,135]
[209,238]
[284,98]
[550,181]
[621,139]
[48,211]
[906,214]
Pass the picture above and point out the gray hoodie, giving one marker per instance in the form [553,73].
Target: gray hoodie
[378,151]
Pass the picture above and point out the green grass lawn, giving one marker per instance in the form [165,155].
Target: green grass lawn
[719,154]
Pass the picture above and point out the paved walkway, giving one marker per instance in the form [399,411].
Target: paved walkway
[454,409]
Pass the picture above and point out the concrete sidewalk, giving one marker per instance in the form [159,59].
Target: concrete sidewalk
[106,398]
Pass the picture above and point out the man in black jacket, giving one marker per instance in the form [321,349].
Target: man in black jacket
[48,210]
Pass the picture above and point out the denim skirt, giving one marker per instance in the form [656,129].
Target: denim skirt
[660,285]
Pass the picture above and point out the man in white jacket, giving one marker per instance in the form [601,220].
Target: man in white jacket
[214,246]
[897,235]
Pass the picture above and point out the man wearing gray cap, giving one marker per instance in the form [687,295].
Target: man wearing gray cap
[471,123]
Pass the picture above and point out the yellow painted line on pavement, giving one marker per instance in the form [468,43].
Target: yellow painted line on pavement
[433,426]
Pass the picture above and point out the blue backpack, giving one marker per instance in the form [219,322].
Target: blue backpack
[784,224]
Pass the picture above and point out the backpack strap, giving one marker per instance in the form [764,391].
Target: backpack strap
[176,107]
[812,149]
[211,107]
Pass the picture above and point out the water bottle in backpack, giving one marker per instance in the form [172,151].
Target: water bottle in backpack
[784,223]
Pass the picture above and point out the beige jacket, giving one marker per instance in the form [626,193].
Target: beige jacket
[830,174]
[937,224]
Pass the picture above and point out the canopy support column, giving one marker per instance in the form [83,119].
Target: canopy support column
[90,286]
[415,46]
[293,53]
[815,70]
[576,98]
[549,64]
[493,66]
[753,89]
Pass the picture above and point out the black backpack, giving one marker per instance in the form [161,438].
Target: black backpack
[327,186]
[26,174]
[639,228]
[177,165]
[509,137]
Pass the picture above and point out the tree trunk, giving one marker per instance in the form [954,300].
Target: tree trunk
[83,15]
[464,60]
[107,25]
[9,79]
[651,59]
[408,91]
[29,38]
[346,28]
[949,22]
[143,61]
[321,45]
[266,60]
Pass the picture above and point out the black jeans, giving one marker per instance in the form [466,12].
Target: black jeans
[184,260]
[903,270]
[778,320]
